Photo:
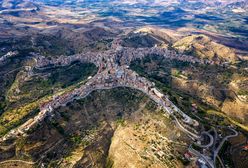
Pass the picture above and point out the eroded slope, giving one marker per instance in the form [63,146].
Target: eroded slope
[97,131]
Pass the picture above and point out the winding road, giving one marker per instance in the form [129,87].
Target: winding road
[222,142]
[119,76]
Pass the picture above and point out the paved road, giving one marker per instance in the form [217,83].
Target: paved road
[211,141]
[194,136]
[222,165]
[22,129]
[222,142]
[198,154]
[128,54]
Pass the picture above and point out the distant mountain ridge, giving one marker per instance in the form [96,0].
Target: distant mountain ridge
[13,4]
[17,4]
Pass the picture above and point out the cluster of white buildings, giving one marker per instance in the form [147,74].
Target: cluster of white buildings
[124,55]
[112,75]
[113,72]
[8,55]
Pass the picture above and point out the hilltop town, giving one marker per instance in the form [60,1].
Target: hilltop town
[131,83]
[114,72]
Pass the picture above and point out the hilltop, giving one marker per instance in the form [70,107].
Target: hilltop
[106,125]
[203,47]
[131,83]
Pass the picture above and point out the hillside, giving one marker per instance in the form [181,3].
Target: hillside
[95,130]
[123,83]
[203,47]
[221,88]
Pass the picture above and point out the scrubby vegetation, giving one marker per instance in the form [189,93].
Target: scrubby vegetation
[47,81]
[35,90]
[139,41]
[92,117]
[86,122]
[188,84]
[203,47]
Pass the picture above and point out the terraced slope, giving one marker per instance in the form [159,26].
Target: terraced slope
[94,131]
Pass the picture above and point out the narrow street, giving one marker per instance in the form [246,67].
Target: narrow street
[114,72]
